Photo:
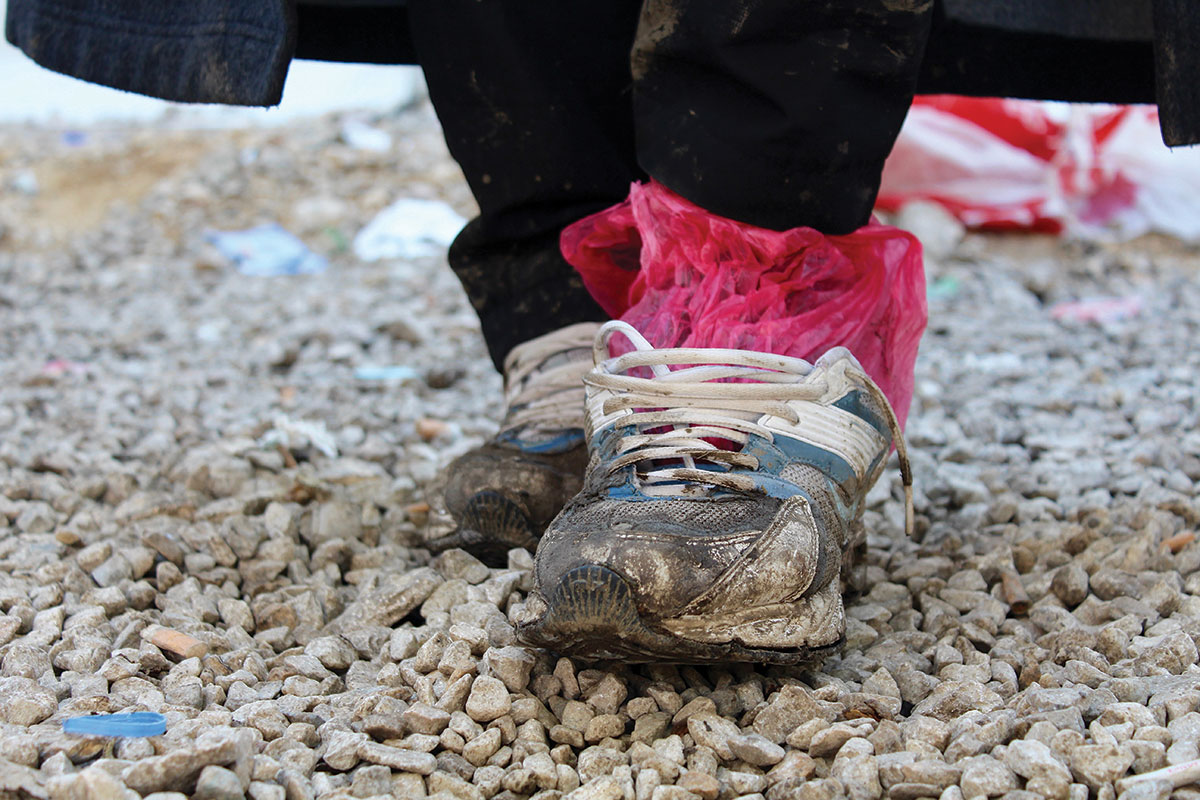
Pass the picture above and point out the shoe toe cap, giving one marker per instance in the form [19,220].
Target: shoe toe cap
[676,568]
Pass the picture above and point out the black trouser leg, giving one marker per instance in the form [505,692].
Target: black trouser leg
[534,99]
[779,113]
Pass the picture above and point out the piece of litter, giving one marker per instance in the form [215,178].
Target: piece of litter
[940,231]
[25,182]
[136,723]
[1172,776]
[175,642]
[943,287]
[362,136]
[340,243]
[408,228]
[1179,541]
[210,332]
[429,429]
[297,434]
[1098,309]
[398,372]
[56,367]
[267,250]
[1014,592]
[1094,171]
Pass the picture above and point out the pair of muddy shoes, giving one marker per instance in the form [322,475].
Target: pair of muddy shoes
[687,505]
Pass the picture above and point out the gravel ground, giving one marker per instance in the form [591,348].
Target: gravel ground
[206,514]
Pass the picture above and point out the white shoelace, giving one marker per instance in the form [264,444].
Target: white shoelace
[543,387]
[687,407]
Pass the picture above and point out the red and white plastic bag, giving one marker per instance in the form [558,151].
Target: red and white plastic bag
[1092,171]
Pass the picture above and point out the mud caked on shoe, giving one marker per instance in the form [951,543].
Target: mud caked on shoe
[504,493]
[720,500]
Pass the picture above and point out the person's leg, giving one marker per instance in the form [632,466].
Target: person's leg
[725,485]
[769,126]
[776,113]
[535,102]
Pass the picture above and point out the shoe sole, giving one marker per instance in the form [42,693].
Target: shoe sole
[591,614]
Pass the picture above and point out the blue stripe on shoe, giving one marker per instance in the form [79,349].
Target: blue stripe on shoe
[772,460]
[561,443]
[774,457]
[853,402]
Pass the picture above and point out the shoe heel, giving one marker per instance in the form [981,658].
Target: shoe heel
[489,526]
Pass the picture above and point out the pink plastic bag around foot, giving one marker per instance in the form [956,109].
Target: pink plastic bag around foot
[687,278]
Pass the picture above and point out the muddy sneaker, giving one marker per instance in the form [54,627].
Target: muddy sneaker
[720,500]
[504,493]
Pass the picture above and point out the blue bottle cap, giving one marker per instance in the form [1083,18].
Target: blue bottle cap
[137,723]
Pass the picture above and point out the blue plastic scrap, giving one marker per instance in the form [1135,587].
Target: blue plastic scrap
[137,723]
[267,250]
[398,372]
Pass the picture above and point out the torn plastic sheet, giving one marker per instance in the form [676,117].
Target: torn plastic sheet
[299,434]
[408,228]
[1102,310]
[267,250]
[1091,171]
[390,372]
